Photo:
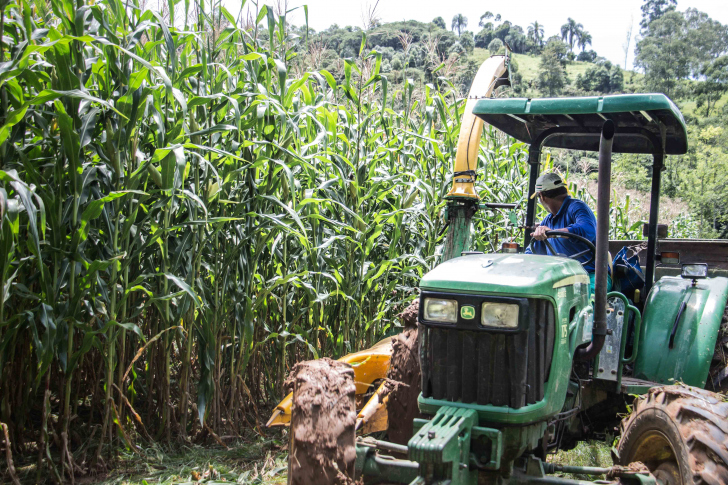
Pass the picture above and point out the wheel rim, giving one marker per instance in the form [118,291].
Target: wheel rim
[655,451]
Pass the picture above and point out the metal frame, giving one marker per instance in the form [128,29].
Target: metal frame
[658,154]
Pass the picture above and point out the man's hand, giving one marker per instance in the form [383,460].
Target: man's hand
[540,233]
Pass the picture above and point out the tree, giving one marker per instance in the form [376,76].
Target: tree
[495,46]
[714,85]
[459,22]
[516,39]
[497,18]
[440,22]
[535,33]
[552,74]
[483,18]
[483,38]
[602,77]
[571,31]
[587,56]
[664,53]
[584,40]
[467,41]
[456,50]
[707,38]
[654,9]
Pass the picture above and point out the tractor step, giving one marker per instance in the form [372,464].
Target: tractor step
[631,385]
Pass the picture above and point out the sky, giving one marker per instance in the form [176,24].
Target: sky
[608,25]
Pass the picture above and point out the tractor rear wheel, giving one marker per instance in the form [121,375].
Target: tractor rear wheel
[680,433]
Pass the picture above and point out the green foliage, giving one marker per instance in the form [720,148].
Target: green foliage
[552,73]
[714,86]
[602,77]
[467,42]
[495,46]
[459,23]
[587,56]
[654,9]
[664,53]
[536,33]
[439,22]
[678,45]
[572,33]
[186,212]
[700,177]
[484,19]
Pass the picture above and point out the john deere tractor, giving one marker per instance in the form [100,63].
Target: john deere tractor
[519,359]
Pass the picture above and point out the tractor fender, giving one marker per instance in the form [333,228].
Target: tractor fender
[679,329]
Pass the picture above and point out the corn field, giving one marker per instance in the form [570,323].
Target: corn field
[187,210]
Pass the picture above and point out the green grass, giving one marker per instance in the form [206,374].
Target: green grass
[587,453]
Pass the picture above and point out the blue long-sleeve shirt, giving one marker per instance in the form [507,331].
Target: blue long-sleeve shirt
[579,219]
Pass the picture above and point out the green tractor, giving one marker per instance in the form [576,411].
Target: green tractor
[518,359]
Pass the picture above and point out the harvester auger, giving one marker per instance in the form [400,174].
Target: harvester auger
[517,358]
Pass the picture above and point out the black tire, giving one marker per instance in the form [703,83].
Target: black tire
[680,433]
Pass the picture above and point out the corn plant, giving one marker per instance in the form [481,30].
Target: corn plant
[188,210]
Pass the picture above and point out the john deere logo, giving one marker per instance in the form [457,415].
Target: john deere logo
[467,312]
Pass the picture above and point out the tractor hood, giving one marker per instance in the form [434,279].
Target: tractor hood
[511,274]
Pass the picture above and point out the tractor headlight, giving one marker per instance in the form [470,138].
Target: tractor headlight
[499,315]
[441,310]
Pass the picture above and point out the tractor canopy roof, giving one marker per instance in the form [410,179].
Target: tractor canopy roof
[644,122]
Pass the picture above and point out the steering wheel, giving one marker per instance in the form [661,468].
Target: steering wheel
[592,249]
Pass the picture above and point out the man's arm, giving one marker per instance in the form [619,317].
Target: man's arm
[585,224]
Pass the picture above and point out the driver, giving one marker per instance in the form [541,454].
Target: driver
[566,214]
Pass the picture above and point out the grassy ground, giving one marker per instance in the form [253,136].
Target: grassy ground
[586,453]
[261,462]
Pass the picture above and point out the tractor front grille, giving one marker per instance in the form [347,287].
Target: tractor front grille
[486,366]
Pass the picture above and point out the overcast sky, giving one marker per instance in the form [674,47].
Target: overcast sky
[608,24]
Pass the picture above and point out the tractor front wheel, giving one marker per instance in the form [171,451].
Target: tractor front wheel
[680,433]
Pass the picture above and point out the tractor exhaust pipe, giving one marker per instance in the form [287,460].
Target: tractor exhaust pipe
[602,256]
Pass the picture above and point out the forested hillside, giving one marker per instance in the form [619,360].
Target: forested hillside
[679,53]
[191,202]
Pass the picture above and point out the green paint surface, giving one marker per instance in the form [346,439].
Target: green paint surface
[694,343]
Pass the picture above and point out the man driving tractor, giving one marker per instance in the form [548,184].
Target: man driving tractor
[566,214]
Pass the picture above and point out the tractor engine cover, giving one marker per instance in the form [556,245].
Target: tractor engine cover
[494,331]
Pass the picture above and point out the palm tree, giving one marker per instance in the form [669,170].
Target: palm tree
[486,16]
[584,40]
[571,31]
[459,22]
[535,32]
